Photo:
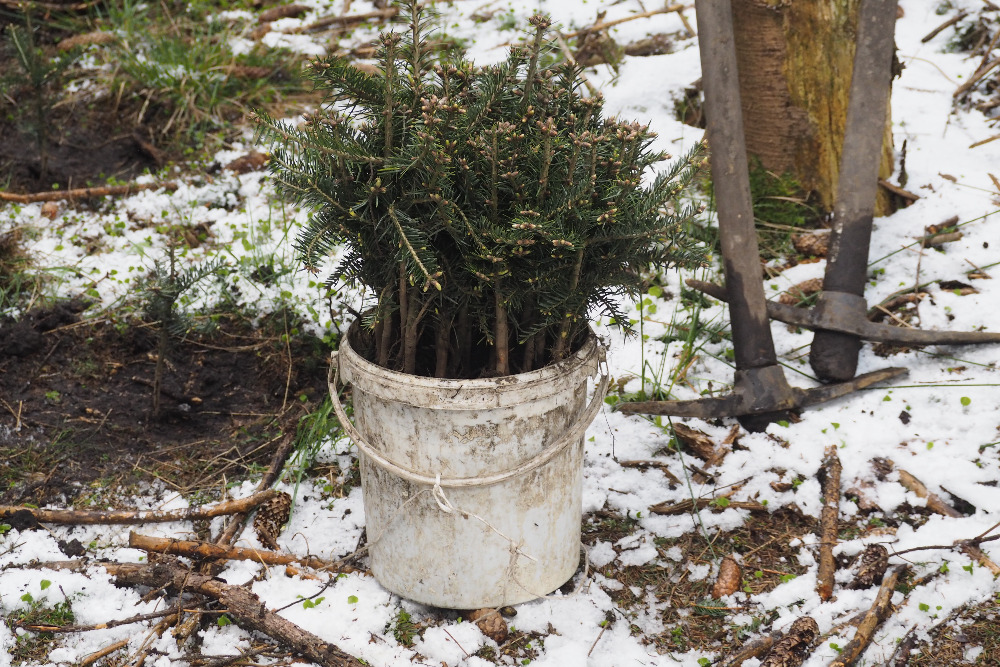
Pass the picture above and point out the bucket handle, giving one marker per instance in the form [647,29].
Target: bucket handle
[572,435]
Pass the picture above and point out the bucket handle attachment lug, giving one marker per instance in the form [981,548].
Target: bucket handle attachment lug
[572,435]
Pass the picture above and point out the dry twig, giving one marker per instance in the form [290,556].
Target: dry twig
[828,524]
[208,550]
[715,504]
[89,517]
[604,25]
[243,606]
[866,629]
[85,193]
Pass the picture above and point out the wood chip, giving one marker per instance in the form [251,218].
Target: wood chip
[252,161]
[695,441]
[282,12]
[86,39]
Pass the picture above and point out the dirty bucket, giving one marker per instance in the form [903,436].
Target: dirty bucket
[472,488]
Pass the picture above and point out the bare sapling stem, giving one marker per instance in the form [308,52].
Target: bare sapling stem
[441,345]
[501,336]
[410,334]
[565,327]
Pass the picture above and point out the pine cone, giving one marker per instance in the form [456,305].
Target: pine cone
[872,565]
[812,245]
[796,294]
[491,624]
[271,516]
[791,650]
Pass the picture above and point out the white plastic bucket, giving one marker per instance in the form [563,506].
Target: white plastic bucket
[472,488]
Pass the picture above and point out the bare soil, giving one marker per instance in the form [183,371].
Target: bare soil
[76,404]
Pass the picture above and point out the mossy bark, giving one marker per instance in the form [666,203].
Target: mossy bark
[795,64]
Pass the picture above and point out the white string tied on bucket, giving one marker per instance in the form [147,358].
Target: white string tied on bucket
[572,434]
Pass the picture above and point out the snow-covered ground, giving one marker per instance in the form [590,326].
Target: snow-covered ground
[951,395]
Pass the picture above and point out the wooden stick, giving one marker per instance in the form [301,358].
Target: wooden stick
[659,465]
[597,27]
[89,517]
[976,77]
[84,193]
[104,652]
[244,607]
[755,649]
[936,504]
[828,524]
[236,522]
[208,550]
[947,24]
[866,629]
[346,19]
[35,627]
[702,503]
[985,141]
[896,190]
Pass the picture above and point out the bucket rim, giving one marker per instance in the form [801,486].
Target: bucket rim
[474,393]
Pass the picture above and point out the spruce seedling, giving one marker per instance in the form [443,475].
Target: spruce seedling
[487,210]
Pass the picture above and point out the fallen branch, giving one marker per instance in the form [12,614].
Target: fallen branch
[85,193]
[947,24]
[828,524]
[936,504]
[236,522]
[976,77]
[659,465]
[715,504]
[243,606]
[896,190]
[89,517]
[755,649]
[208,550]
[102,653]
[866,629]
[597,27]
[36,627]
[346,19]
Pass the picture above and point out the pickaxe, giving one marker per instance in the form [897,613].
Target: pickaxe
[760,392]
[840,314]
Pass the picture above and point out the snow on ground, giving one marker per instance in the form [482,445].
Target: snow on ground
[951,394]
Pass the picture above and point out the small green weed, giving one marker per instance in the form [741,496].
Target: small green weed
[403,628]
[33,646]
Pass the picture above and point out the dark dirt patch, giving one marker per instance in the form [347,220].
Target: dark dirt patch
[694,619]
[971,637]
[87,148]
[76,404]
